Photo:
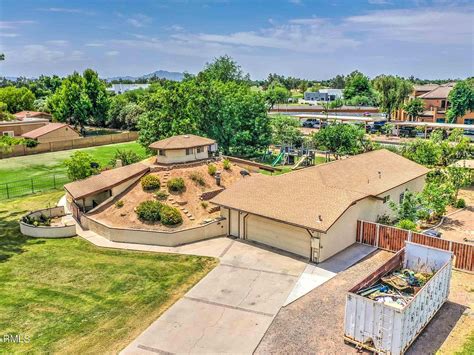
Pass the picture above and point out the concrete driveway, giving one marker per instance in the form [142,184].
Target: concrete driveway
[230,309]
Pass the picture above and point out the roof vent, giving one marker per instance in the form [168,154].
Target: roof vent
[380,174]
[320,218]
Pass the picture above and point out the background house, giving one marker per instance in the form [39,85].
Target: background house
[17,128]
[121,88]
[313,212]
[32,115]
[323,95]
[52,132]
[183,149]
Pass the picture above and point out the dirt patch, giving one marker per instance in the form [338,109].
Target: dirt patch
[314,323]
[188,202]
[460,225]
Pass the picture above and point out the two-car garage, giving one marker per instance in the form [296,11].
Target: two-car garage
[263,230]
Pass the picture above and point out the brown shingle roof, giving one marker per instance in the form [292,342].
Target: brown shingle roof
[105,180]
[182,142]
[327,190]
[425,87]
[38,132]
[441,92]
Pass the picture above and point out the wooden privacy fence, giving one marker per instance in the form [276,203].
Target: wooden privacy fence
[393,239]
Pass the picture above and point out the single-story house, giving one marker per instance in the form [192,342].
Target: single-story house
[52,132]
[91,192]
[16,128]
[32,115]
[313,212]
[323,95]
[183,149]
[121,88]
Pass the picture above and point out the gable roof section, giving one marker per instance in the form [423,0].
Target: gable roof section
[182,142]
[25,114]
[441,92]
[327,190]
[51,127]
[105,180]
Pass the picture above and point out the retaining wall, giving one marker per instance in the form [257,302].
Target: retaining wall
[48,231]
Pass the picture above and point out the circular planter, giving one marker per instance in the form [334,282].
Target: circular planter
[48,231]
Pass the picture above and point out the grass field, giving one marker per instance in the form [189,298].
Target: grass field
[18,168]
[69,296]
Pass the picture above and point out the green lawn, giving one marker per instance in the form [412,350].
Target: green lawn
[69,296]
[18,168]
[287,168]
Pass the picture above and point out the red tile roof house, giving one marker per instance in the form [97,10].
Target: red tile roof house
[27,115]
[52,132]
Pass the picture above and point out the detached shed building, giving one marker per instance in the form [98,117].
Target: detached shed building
[52,132]
[313,212]
[91,192]
[183,149]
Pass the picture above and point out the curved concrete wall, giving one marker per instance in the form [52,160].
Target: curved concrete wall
[48,231]
[163,238]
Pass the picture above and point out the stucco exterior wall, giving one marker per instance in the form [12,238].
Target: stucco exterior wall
[343,232]
[48,231]
[179,156]
[163,238]
[60,134]
[20,128]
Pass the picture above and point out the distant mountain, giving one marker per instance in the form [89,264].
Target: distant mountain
[170,75]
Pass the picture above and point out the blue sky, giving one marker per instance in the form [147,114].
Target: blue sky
[303,38]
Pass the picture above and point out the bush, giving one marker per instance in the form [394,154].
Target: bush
[150,182]
[407,224]
[197,178]
[31,143]
[460,203]
[119,204]
[384,219]
[41,220]
[176,185]
[126,156]
[80,166]
[211,169]
[423,214]
[170,216]
[149,211]
[226,164]
[204,204]
[161,195]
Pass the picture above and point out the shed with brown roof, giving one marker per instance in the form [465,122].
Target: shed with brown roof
[313,212]
[183,149]
[52,132]
[94,190]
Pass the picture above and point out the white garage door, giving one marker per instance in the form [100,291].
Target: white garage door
[279,235]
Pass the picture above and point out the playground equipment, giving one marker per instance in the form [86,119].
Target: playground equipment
[301,161]
[278,158]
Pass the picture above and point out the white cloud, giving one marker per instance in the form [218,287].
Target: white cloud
[68,10]
[296,2]
[379,2]
[112,53]
[15,24]
[139,20]
[9,35]
[94,44]
[58,42]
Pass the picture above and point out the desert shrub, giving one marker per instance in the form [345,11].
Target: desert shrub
[197,178]
[126,156]
[384,219]
[31,143]
[407,224]
[226,164]
[150,182]
[461,203]
[176,185]
[149,211]
[41,220]
[161,195]
[204,204]
[119,204]
[170,215]
[211,169]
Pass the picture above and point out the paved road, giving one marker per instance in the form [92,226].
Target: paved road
[230,309]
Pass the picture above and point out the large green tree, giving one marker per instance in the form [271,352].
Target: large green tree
[461,99]
[97,94]
[17,99]
[276,94]
[357,84]
[223,69]
[414,108]
[342,139]
[286,130]
[392,92]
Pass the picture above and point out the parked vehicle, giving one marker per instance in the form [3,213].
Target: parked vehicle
[469,133]
[376,127]
[407,131]
[387,310]
[311,123]
[432,233]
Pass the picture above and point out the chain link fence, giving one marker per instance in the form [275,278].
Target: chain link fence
[33,185]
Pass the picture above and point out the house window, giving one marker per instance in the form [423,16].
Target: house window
[386,199]
[200,150]
[189,151]
[440,120]
[161,152]
[469,121]
[8,133]
[443,103]
[402,196]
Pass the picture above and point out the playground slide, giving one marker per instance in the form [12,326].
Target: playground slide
[303,158]
[278,158]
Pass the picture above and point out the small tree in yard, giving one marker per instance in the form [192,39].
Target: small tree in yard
[286,130]
[126,156]
[79,166]
[342,139]
[414,108]
[407,209]
[436,197]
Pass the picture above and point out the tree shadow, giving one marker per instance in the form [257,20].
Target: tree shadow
[12,242]
[438,329]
